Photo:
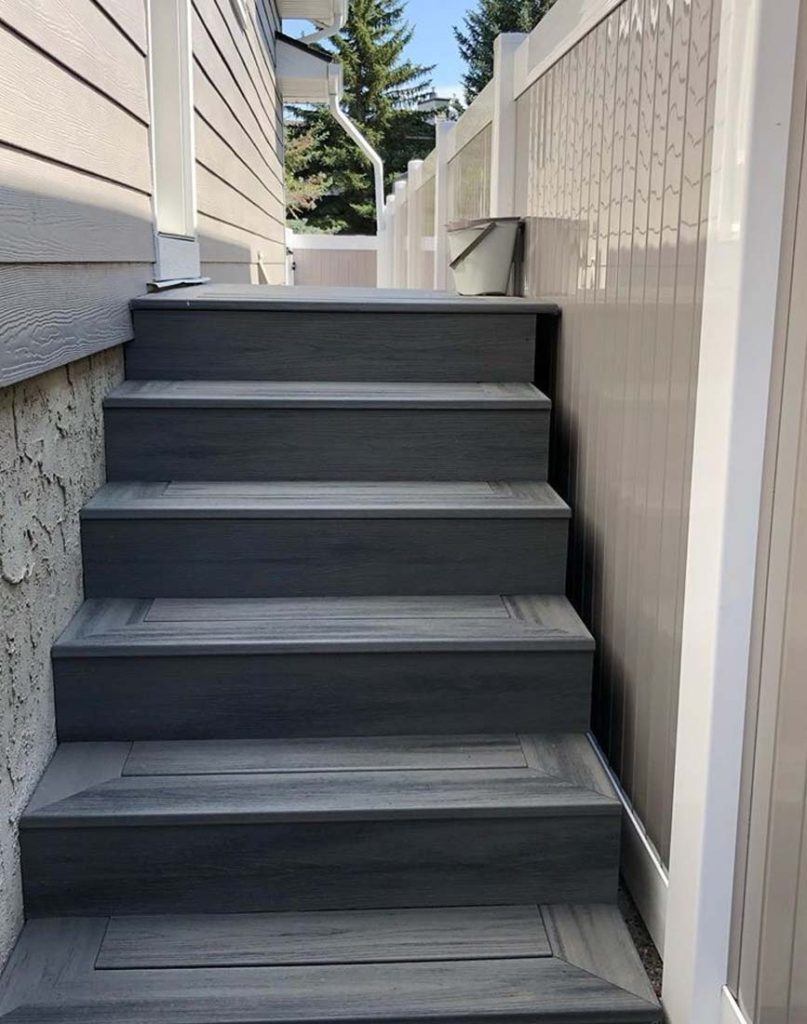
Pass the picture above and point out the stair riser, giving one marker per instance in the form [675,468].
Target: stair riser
[320,865]
[302,444]
[281,696]
[222,345]
[322,557]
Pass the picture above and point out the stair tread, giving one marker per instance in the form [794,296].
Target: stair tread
[319,796]
[355,778]
[323,395]
[276,298]
[380,624]
[336,937]
[324,499]
[428,965]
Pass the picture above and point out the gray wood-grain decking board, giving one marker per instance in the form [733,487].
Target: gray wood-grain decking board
[140,801]
[494,623]
[256,444]
[340,346]
[272,557]
[220,757]
[63,971]
[326,500]
[338,937]
[529,990]
[280,298]
[315,865]
[238,394]
[319,695]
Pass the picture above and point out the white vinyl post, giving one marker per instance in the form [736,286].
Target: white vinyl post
[752,127]
[399,238]
[384,253]
[445,150]
[503,151]
[414,252]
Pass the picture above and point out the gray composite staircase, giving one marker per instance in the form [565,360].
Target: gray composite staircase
[323,715]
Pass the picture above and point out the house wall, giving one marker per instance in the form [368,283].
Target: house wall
[76,244]
[770,926]
[613,159]
[239,142]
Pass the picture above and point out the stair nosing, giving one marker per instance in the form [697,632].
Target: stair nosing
[333,395]
[113,503]
[167,639]
[580,802]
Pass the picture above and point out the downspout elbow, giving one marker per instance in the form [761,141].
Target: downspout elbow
[331,29]
[352,130]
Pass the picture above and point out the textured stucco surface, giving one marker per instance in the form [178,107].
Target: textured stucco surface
[51,461]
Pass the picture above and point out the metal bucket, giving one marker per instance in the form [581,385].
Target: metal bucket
[482,254]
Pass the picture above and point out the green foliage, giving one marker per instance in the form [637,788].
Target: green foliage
[382,88]
[479,30]
[304,186]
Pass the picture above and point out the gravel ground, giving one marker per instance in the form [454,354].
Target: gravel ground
[641,939]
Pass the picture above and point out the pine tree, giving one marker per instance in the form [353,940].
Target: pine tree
[480,28]
[382,89]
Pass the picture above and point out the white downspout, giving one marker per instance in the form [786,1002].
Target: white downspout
[335,97]
[326,31]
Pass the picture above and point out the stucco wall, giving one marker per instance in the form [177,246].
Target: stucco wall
[51,461]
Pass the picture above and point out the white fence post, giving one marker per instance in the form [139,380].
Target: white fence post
[399,237]
[445,150]
[414,224]
[503,150]
[749,165]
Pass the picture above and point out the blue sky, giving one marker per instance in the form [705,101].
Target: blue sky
[434,41]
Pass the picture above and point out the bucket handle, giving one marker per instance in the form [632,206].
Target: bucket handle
[470,248]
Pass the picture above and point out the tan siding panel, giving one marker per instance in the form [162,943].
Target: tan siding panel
[219,158]
[78,34]
[223,243]
[44,109]
[218,200]
[50,315]
[231,85]
[613,180]
[54,214]
[130,15]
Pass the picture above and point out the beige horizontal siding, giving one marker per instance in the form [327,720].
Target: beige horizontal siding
[52,314]
[46,110]
[52,214]
[86,42]
[130,17]
[240,191]
[75,179]
[613,164]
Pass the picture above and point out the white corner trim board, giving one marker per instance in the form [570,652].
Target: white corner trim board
[562,28]
[642,869]
[751,140]
[731,1012]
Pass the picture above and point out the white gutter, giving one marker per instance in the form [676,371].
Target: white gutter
[335,97]
[340,12]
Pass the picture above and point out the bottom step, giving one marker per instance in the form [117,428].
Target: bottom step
[508,963]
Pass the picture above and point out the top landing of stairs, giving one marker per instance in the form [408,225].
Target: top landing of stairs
[279,298]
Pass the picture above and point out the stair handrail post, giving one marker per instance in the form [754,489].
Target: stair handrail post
[445,151]
[503,148]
